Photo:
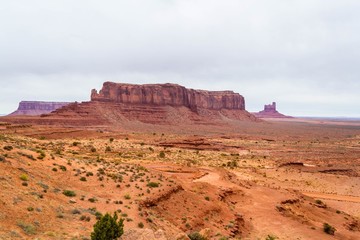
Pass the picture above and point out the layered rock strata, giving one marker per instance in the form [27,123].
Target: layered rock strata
[129,106]
[168,95]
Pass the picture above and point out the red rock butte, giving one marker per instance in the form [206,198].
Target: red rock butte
[270,112]
[168,94]
[129,105]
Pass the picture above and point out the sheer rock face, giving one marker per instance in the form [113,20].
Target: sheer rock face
[168,95]
[37,107]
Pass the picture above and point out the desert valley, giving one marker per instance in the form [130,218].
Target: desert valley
[176,163]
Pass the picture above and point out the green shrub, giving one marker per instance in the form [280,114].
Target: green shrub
[196,236]
[29,229]
[161,154]
[69,193]
[329,229]
[153,184]
[270,237]
[24,177]
[108,228]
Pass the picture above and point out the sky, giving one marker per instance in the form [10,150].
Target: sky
[302,54]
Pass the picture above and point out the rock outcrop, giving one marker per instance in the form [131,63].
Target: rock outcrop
[270,112]
[34,108]
[168,95]
[129,106]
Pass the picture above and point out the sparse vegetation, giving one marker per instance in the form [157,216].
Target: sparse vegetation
[271,237]
[153,184]
[8,148]
[108,228]
[329,229]
[196,236]
[28,228]
[24,177]
[162,154]
[69,193]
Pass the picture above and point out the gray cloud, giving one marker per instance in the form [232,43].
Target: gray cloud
[302,54]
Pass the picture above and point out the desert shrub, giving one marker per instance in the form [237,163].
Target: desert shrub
[161,154]
[8,148]
[108,149]
[270,237]
[232,164]
[63,168]
[207,198]
[42,154]
[29,229]
[196,236]
[76,211]
[93,149]
[69,193]
[140,225]
[111,139]
[329,229]
[153,184]
[75,144]
[2,158]
[24,177]
[108,228]
[127,196]
[83,179]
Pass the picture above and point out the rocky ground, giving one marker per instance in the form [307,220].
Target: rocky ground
[259,180]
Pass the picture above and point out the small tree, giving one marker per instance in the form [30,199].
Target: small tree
[108,228]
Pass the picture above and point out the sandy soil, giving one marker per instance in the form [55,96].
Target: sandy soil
[283,179]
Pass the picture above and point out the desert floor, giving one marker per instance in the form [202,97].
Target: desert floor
[277,179]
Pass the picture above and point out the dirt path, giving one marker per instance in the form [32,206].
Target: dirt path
[333,197]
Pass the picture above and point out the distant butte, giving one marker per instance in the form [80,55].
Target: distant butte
[33,108]
[270,112]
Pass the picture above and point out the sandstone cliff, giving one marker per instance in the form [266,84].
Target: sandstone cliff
[168,95]
[131,106]
[37,108]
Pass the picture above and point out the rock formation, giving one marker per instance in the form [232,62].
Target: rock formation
[130,105]
[270,112]
[168,95]
[37,108]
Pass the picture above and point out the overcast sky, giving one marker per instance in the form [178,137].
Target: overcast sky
[303,54]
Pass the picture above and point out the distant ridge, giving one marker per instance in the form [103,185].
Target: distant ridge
[33,108]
